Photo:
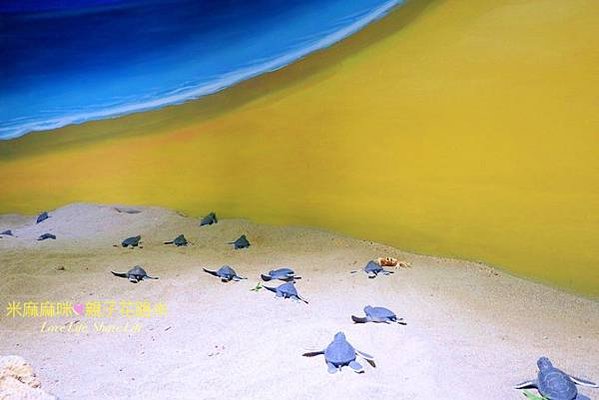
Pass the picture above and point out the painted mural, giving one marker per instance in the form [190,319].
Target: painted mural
[271,199]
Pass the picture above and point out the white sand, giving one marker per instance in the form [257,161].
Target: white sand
[472,331]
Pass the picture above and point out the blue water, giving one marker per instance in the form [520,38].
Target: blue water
[65,62]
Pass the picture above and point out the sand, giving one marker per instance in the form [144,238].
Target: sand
[472,331]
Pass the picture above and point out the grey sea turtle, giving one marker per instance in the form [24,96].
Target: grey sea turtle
[287,291]
[240,243]
[42,217]
[127,210]
[284,274]
[46,236]
[178,241]
[135,274]
[209,219]
[7,232]
[225,273]
[372,269]
[554,384]
[340,353]
[132,241]
[378,314]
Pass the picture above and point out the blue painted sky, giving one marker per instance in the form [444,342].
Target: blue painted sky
[65,62]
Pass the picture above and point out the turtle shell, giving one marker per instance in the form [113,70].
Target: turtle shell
[226,272]
[241,243]
[556,385]
[180,241]
[287,289]
[42,217]
[209,219]
[373,267]
[379,313]
[281,273]
[340,352]
[131,241]
[137,272]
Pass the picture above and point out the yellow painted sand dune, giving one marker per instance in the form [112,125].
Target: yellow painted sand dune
[459,128]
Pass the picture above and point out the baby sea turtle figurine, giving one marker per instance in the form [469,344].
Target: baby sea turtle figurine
[283,274]
[240,243]
[42,217]
[555,384]
[46,236]
[340,353]
[372,269]
[378,314]
[286,291]
[209,219]
[135,274]
[178,241]
[132,241]
[7,232]
[225,273]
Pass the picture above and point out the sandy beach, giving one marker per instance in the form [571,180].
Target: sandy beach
[472,331]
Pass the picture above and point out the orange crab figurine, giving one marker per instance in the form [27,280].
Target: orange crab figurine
[392,262]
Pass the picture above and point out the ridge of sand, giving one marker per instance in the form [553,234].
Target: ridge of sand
[472,331]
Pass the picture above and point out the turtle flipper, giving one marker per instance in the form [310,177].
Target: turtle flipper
[357,367]
[359,320]
[581,397]
[210,272]
[526,385]
[169,242]
[266,278]
[369,359]
[365,355]
[150,277]
[119,274]
[272,289]
[313,353]
[133,279]
[331,368]
[302,299]
[583,382]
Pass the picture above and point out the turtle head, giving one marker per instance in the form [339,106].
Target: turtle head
[544,364]
[340,336]
[367,309]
